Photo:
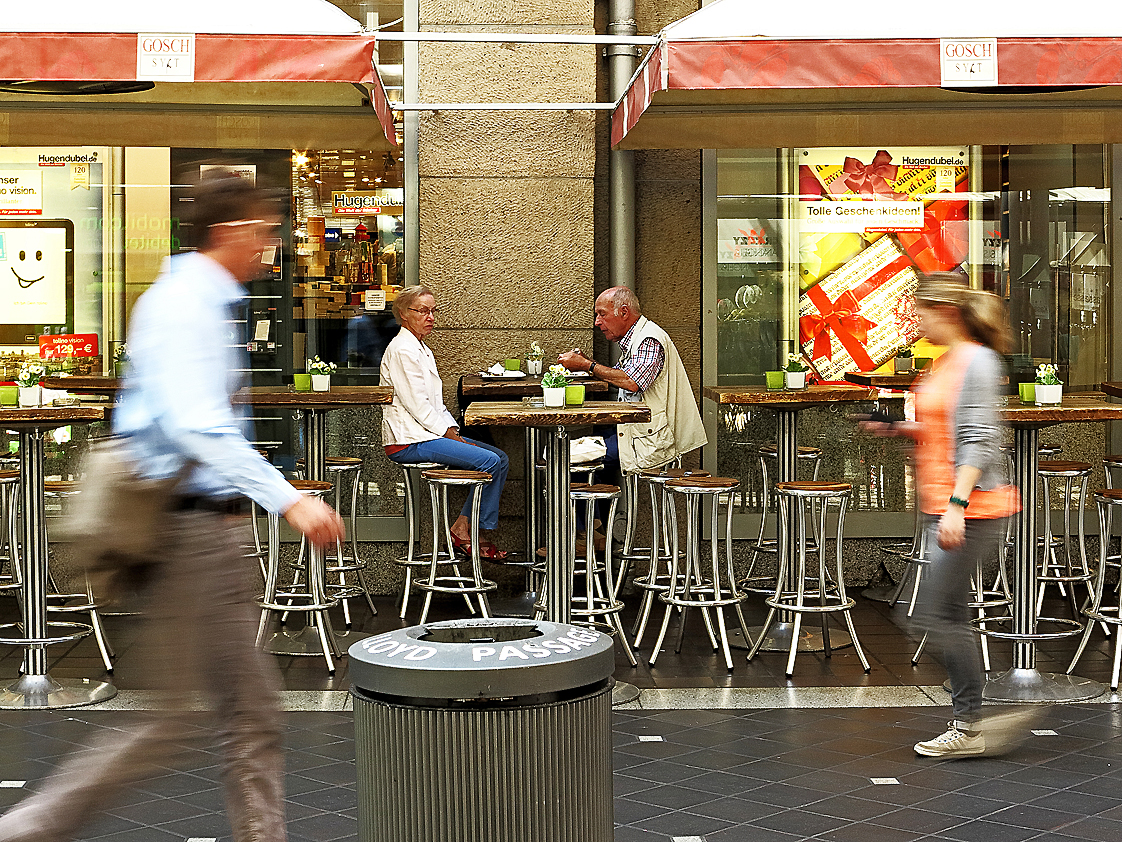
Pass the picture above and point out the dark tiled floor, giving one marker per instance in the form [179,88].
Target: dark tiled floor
[882,631]
[781,775]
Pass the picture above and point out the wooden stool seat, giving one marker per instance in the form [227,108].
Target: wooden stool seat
[599,488]
[456,476]
[1063,466]
[311,486]
[667,474]
[60,486]
[824,487]
[5,475]
[703,483]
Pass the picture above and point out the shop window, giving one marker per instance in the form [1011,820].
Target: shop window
[818,251]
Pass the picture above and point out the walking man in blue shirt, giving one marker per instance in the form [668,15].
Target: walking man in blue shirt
[202,623]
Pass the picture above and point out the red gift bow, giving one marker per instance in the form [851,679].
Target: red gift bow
[843,318]
[871,181]
[938,247]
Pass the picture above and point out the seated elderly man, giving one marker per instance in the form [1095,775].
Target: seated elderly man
[649,370]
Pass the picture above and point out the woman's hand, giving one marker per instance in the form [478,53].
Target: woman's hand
[454,434]
[952,528]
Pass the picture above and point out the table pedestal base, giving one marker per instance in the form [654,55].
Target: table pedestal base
[305,642]
[41,692]
[622,693]
[1030,686]
[519,607]
[779,638]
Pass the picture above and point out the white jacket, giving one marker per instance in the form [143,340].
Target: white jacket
[418,412]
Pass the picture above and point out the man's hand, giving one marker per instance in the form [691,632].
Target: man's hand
[575,360]
[317,521]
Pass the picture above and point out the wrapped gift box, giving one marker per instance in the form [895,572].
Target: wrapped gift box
[944,242]
[859,315]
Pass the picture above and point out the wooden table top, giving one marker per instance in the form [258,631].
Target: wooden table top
[518,414]
[1074,408]
[339,396]
[1112,389]
[496,388]
[46,417]
[92,383]
[788,398]
[882,381]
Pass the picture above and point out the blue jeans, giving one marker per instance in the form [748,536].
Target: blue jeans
[469,455]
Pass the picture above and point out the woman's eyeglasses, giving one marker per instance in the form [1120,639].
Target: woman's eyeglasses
[425,311]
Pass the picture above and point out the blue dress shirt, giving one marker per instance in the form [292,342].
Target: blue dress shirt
[175,404]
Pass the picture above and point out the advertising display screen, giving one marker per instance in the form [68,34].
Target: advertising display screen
[36,278]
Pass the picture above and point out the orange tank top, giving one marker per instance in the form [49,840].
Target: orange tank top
[936,400]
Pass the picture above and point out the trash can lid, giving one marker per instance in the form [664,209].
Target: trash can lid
[481,659]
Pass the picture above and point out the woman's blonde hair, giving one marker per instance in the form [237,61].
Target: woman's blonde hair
[983,313]
[406,299]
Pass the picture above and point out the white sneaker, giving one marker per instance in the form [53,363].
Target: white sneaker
[953,743]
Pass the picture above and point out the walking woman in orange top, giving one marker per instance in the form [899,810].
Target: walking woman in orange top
[963,486]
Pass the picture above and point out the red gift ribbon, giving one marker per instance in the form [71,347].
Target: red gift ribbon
[844,319]
[937,248]
[870,181]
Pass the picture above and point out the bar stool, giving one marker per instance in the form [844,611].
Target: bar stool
[411,472]
[829,594]
[11,580]
[1066,573]
[1099,610]
[694,588]
[586,470]
[808,456]
[631,498]
[658,579]
[1112,469]
[82,602]
[308,597]
[439,480]
[341,469]
[598,606]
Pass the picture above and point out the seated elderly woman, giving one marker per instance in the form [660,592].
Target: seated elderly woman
[417,427]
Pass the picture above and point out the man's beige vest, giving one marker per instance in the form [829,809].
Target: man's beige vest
[675,427]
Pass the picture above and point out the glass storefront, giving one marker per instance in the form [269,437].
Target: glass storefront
[817,252]
[83,232]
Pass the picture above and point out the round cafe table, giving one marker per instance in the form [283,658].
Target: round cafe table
[36,689]
[315,407]
[476,387]
[1023,682]
[787,404]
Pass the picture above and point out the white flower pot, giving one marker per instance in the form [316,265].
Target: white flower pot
[321,382]
[794,379]
[534,368]
[554,397]
[33,395]
[1048,395]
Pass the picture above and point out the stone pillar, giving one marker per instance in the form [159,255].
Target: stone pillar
[506,197]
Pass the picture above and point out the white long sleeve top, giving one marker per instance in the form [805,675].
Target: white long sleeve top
[418,412]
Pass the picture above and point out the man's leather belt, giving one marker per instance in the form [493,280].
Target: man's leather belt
[232,506]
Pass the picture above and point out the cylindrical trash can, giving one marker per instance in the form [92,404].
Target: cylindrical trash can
[484,730]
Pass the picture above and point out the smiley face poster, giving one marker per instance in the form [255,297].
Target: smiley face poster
[36,272]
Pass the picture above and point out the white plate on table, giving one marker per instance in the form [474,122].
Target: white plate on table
[510,375]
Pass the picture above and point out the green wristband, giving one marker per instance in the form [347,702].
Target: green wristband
[958,501]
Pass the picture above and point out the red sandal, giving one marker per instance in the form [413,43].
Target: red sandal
[487,550]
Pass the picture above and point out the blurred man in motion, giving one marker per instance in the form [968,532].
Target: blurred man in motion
[201,620]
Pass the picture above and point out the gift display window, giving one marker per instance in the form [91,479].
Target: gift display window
[817,252]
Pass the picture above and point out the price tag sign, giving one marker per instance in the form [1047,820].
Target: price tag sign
[61,346]
[374,299]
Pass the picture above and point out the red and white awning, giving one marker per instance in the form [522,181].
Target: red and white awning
[735,57]
[205,41]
